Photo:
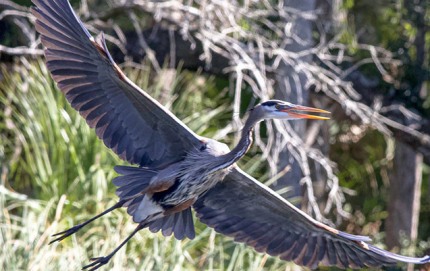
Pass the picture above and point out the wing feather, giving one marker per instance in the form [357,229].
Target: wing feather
[275,246]
[128,120]
[247,210]
[311,251]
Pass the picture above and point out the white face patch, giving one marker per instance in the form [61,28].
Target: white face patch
[278,115]
[271,112]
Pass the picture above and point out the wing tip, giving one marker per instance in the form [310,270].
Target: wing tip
[400,258]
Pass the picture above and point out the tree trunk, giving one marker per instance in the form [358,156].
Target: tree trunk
[404,200]
[405,190]
[290,85]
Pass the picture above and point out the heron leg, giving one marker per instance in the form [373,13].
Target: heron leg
[74,229]
[98,262]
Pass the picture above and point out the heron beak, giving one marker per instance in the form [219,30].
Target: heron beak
[300,112]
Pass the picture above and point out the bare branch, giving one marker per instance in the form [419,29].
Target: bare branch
[18,51]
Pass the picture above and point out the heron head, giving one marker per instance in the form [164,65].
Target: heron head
[276,109]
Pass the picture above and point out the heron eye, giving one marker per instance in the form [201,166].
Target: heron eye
[278,106]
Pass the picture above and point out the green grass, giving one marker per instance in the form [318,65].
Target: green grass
[55,173]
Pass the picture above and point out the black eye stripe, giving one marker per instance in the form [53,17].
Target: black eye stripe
[269,103]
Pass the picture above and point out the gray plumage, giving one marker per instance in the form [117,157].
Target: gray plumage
[177,169]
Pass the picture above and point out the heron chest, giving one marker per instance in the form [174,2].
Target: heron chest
[201,180]
[192,183]
[200,171]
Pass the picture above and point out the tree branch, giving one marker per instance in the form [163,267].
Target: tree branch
[411,128]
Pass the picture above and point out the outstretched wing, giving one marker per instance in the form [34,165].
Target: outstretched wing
[126,118]
[252,213]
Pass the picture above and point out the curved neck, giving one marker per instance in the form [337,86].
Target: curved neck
[244,143]
[242,146]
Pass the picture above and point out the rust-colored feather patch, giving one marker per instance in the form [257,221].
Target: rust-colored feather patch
[103,52]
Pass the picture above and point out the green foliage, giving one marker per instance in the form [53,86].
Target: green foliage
[364,164]
[395,26]
[26,3]
[363,168]
[55,158]
[63,172]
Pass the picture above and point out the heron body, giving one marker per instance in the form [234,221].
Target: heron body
[178,186]
[177,170]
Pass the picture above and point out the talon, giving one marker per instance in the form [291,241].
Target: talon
[88,265]
[58,233]
[64,234]
[97,262]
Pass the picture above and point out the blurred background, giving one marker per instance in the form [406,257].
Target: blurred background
[366,171]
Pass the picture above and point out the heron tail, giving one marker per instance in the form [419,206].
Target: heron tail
[180,224]
[132,181]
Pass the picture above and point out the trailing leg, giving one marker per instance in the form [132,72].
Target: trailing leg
[100,261]
[74,229]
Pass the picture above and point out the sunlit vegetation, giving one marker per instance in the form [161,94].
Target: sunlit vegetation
[55,173]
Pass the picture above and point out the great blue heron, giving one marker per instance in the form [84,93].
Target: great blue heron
[177,169]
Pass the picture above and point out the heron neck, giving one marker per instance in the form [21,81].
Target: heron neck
[242,146]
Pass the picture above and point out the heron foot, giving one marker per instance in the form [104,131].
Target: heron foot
[96,263]
[66,233]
